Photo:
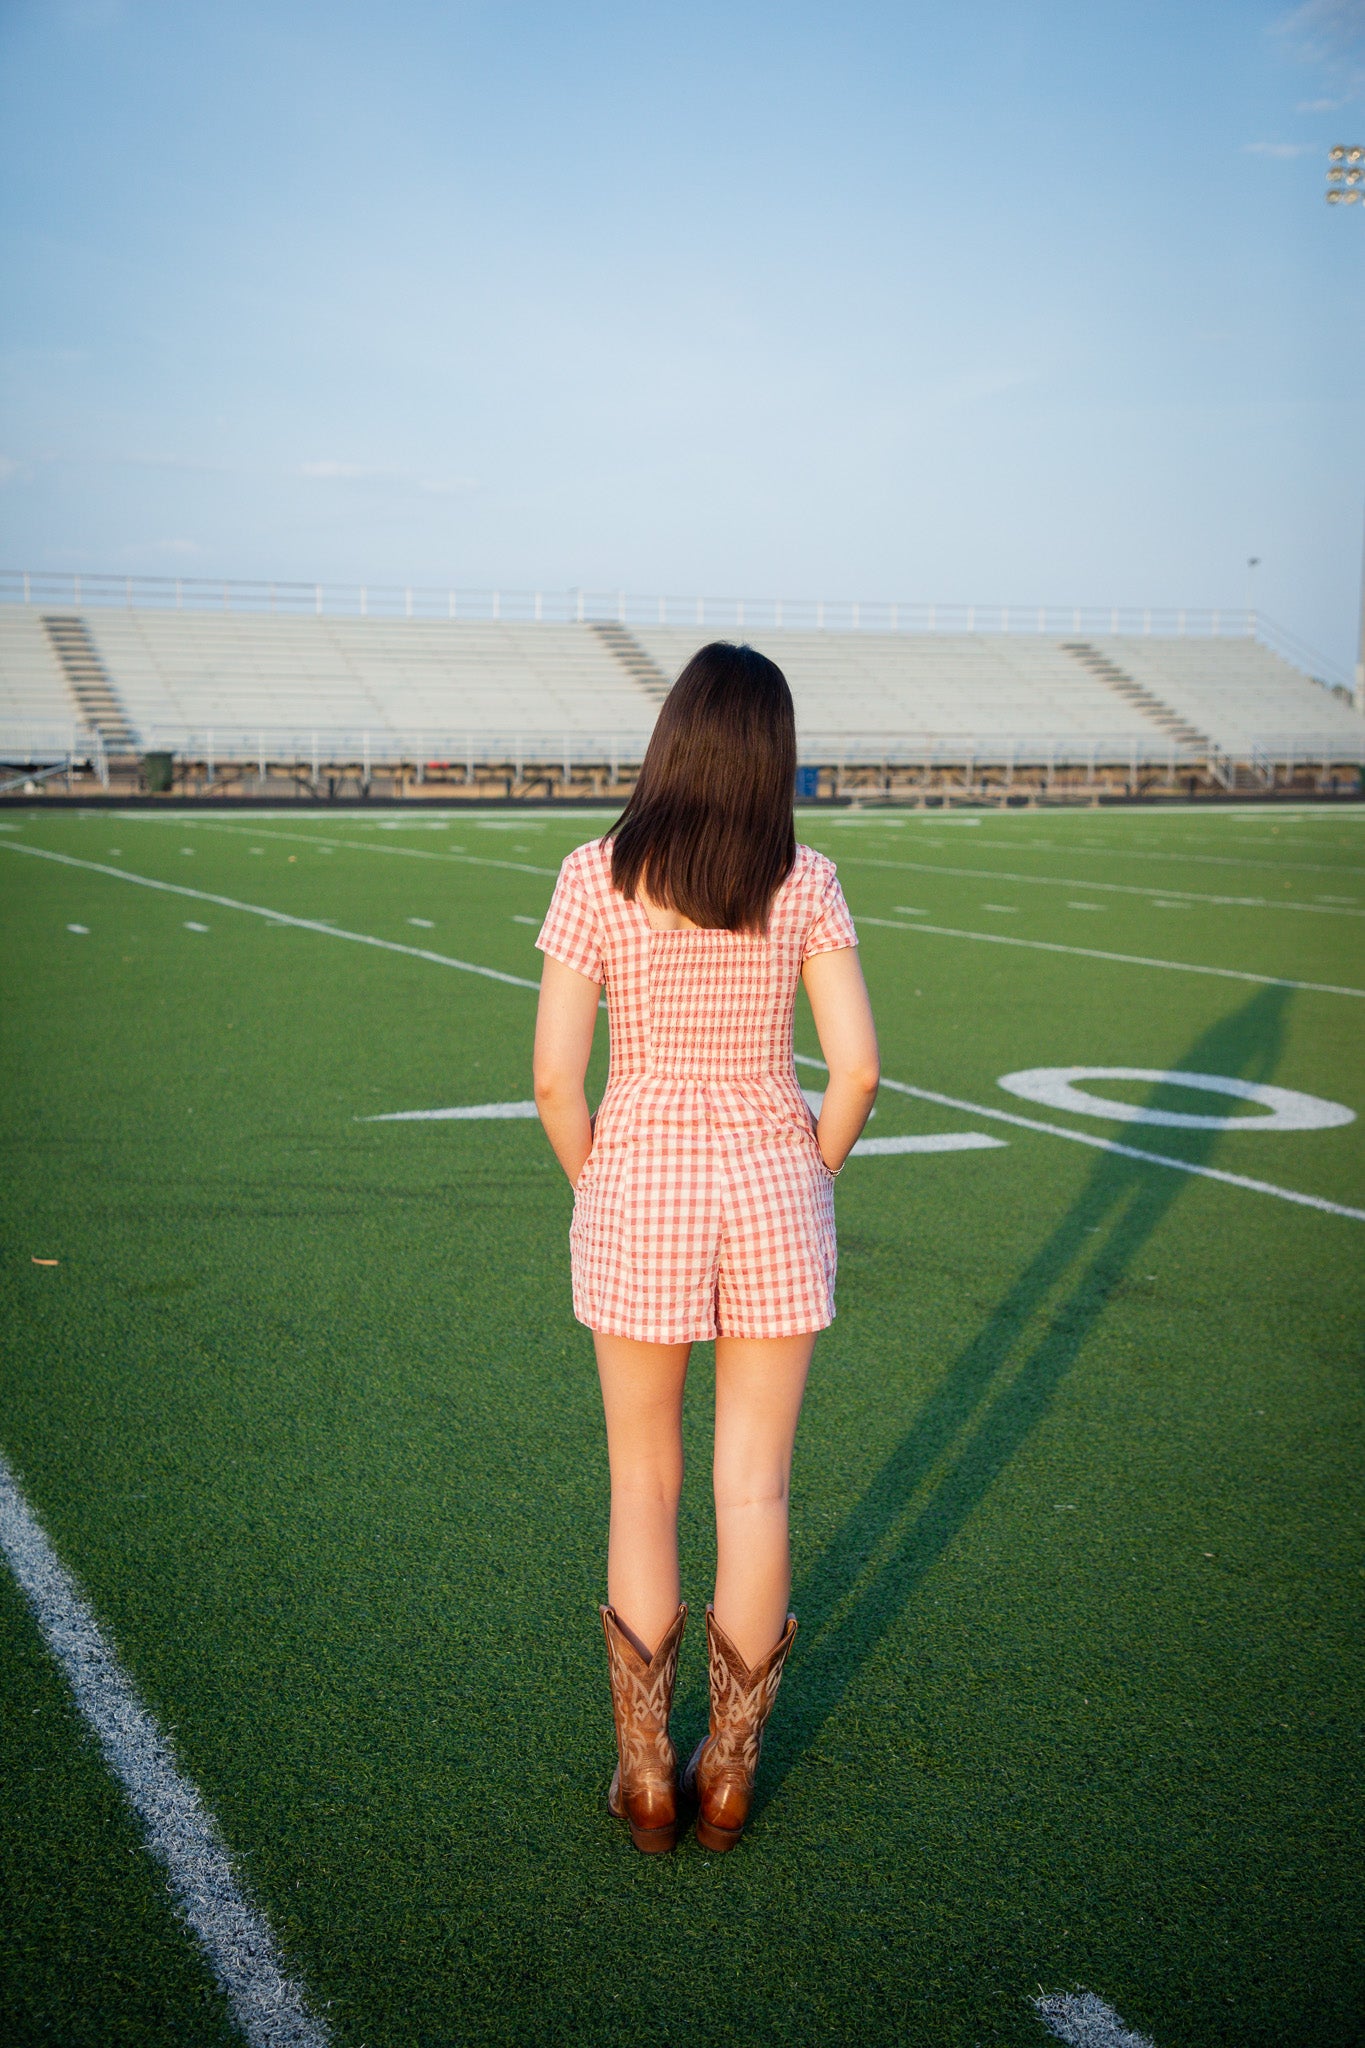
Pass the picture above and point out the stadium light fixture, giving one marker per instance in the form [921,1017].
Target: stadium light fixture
[1346,174]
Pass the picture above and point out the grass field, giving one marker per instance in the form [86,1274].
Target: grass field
[1077,1695]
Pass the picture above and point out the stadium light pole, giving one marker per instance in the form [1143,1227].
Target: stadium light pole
[1346,187]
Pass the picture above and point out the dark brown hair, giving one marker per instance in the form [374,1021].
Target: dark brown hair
[708,829]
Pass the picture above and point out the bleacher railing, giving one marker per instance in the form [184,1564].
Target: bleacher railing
[322,749]
[612,607]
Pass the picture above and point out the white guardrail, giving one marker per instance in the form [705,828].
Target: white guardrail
[50,587]
[23,744]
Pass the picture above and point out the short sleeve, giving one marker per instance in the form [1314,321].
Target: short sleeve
[572,930]
[831,927]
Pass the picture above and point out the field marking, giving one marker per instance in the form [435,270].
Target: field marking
[1290,1108]
[934,1141]
[932,867]
[942,1141]
[943,931]
[282,917]
[1029,1123]
[1083,2020]
[474,860]
[472,1112]
[1216,860]
[863,860]
[270,2008]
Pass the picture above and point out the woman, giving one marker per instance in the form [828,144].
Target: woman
[703,1194]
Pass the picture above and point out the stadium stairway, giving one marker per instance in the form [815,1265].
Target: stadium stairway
[1137,694]
[642,669]
[89,681]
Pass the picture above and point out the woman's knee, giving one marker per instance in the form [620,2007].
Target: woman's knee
[760,1489]
[647,1485]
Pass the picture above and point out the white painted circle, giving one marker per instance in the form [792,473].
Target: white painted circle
[1289,1109]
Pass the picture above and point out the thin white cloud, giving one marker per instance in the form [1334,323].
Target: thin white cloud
[1279,149]
[325,471]
[1331,35]
[1318,106]
[140,459]
[330,471]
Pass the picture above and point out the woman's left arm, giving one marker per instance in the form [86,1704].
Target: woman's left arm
[565,1022]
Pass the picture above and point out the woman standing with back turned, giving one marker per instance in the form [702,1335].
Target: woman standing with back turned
[703,1194]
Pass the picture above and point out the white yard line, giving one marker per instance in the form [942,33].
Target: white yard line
[472,860]
[933,867]
[1030,1123]
[270,2008]
[933,1141]
[305,924]
[479,1112]
[331,931]
[943,931]
[474,1112]
[1214,860]
[1083,2020]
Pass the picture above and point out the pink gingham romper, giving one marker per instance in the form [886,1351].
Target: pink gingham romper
[704,1208]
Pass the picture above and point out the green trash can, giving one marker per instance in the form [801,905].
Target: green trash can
[158,772]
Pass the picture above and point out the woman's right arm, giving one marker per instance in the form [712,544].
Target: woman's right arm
[848,1039]
[565,1022]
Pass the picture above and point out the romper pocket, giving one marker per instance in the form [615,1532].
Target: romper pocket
[596,1198]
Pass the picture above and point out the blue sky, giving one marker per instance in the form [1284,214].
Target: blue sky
[1003,304]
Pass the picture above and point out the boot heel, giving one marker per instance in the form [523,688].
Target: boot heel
[654,1841]
[719,1839]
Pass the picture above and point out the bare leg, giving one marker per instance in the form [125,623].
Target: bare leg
[642,1394]
[759,1387]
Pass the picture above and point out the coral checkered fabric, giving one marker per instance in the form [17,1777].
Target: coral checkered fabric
[705,1208]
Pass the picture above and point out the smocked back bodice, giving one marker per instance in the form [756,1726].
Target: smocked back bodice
[695,1004]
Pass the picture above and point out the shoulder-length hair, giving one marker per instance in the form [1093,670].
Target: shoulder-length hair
[708,830]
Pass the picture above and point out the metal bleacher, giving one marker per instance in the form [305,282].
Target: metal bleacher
[430,683]
[240,692]
[908,690]
[1248,698]
[36,707]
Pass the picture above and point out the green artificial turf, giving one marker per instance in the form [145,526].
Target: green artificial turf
[89,1953]
[1076,1698]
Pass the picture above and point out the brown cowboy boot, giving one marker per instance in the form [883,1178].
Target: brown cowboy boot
[644,1787]
[724,1765]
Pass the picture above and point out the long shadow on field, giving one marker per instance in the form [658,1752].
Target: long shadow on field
[846,1602]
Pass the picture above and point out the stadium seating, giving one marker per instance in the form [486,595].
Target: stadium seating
[1247,698]
[384,676]
[928,687]
[404,688]
[34,699]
